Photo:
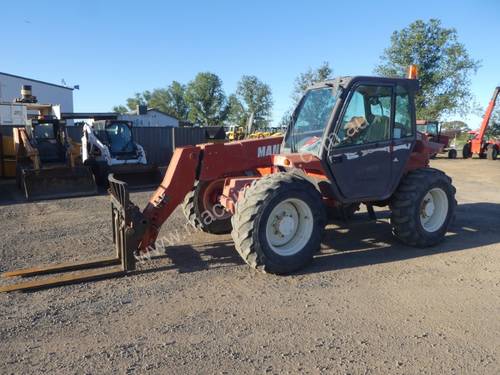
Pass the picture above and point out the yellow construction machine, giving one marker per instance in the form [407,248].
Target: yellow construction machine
[47,164]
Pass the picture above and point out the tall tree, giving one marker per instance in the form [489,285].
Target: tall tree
[285,119]
[171,100]
[255,97]
[236,113]
[310,77]
[444,66]
[206,100]
[139,99]
[494,125]
[459,126]
[120,109]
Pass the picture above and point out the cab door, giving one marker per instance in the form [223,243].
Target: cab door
[403,133]
[360,159]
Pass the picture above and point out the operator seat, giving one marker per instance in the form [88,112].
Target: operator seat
[378,130]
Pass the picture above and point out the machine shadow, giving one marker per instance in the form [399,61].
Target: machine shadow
[358,243]
[187,259]
[362,243]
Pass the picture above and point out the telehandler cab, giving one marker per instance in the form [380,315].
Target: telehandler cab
[351,140]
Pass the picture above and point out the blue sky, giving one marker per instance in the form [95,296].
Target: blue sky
[115,48]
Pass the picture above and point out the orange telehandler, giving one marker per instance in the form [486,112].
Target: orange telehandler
[351,140]
[477,144]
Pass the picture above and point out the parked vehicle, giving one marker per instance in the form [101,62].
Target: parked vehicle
[432,129]
[108,146]
[478,143]
[352,140]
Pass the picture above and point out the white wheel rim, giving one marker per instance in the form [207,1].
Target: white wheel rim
[289,227]
[434,210]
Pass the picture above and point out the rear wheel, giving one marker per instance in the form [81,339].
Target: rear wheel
[423,207]
[466,151]
[202,209]
[278,224]
[452,154]
[492,152]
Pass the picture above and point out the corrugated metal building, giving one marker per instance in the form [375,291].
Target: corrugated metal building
[46,93]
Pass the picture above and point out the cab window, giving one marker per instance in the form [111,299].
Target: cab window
[44,131]
[367,116]
[120,138]
[402,123]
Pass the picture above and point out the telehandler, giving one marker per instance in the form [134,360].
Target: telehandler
[351,140]
[478,143]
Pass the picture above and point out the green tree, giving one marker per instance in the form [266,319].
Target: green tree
[285,119]
[255,97]
[236,113]
[139,99]
[120,109]
[444,66]
[171,100]
[494,124]
[456,125]
[310,77]
[206,100]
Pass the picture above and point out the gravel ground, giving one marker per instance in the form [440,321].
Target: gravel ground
[367,304]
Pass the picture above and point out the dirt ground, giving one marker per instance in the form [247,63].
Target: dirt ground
[366,305]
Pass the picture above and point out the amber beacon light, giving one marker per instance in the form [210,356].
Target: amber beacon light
[412,72]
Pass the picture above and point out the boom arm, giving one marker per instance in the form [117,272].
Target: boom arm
[206,162]
[487,115]
[89,138]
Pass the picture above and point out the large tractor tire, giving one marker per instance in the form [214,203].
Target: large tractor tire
[492,152]
[423,207]
[279,222]
[203,211]
[466,151]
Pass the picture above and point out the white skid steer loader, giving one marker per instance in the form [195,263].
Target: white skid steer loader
[108,146]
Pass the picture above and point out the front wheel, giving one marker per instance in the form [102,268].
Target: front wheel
[278,223]
[422,207]
[466,151]
[452,154]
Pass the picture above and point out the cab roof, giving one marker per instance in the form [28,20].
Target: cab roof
[344,82]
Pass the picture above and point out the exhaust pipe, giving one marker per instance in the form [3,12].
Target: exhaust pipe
[26,95]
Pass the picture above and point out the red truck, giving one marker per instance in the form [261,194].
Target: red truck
[432,129]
